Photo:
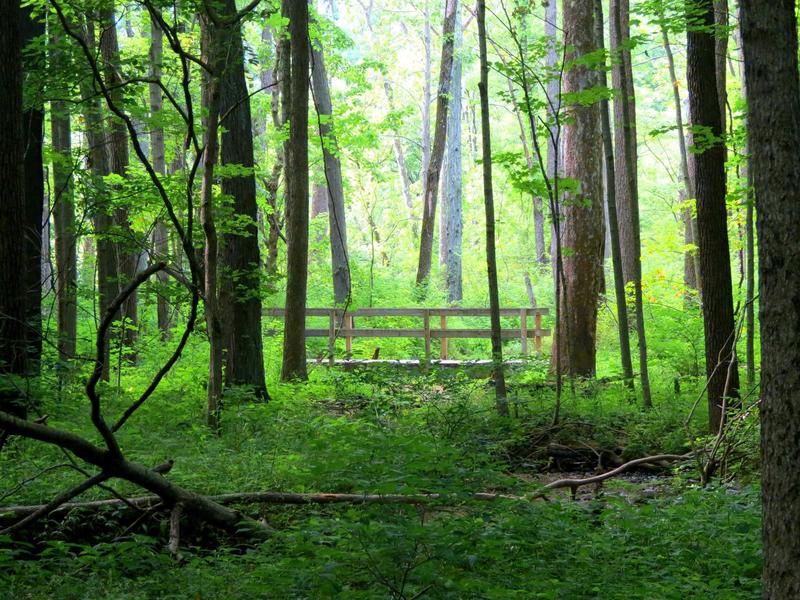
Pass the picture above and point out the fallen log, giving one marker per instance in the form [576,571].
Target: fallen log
[148,502]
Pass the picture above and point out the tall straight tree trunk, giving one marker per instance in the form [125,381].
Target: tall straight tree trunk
[715,265]
[488,196]
[451,220]
[126,245]
[769,33]
[582,210]
[622,72]
[426,90]
[63,213]
[294,332]
[32,27]
[213,46]
[157,157]
[333,177]
[629,148]
[13,349]
[553,85]
[431,188]
[691,259]
[279,81]
[611,203]
[240,281]
[749,232]
[96,139]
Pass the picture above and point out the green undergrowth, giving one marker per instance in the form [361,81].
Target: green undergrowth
[382,431]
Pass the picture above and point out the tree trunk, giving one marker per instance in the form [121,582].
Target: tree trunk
[294,336]
[715,266]
[240,282]
[333,177]
[690,256]
[431,188]
[452,229]
[426,91]
[720,59]
[32,27]
[553,86]
[488,196]
[769,34]
[13,299]
[629,148]
[126,249]
[160,233]
[582,210]
[106,262]
[63,213]
[620,38]
[611,203]
[213,54]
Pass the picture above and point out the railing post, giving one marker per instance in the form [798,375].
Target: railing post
[523,330]
[537,341]
[443,326]
[332,337]
[426,325]
[348,340]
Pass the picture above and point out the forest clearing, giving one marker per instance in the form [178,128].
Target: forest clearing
[399,299]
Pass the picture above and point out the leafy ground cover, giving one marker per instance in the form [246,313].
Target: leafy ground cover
[383,432]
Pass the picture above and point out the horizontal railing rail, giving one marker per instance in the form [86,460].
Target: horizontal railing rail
[341,323]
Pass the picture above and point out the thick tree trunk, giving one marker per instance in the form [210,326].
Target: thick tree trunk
[160,233]
[213,54]
[431,187]
[64,215]
[294,336]
[620,38]
[32,27]
[629,147]
[611,204]
[451,220]
[488,197]
[582,210]
[333,177]
[13,357]
[715,264]
[240,282]
[769,33]
[126,246]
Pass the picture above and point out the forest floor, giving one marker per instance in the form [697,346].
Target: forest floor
[648,534]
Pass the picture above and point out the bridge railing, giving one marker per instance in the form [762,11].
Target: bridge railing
[341,324]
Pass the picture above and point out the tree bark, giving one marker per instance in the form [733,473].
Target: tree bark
[32,27]
[96,139]
[620,40]
[157,153]
[64,212]
[426,91]
[13,353]
[769,34]
[611,203]
[431,188]
[582,210]
[451,232]
[294,337]
[333,177]
[715,267]
[126,245]
[488,197]
[629,147]
[240,281]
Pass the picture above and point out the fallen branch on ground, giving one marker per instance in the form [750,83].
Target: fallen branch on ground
[574,484]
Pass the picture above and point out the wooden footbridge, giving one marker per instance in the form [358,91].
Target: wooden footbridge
[434,325]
